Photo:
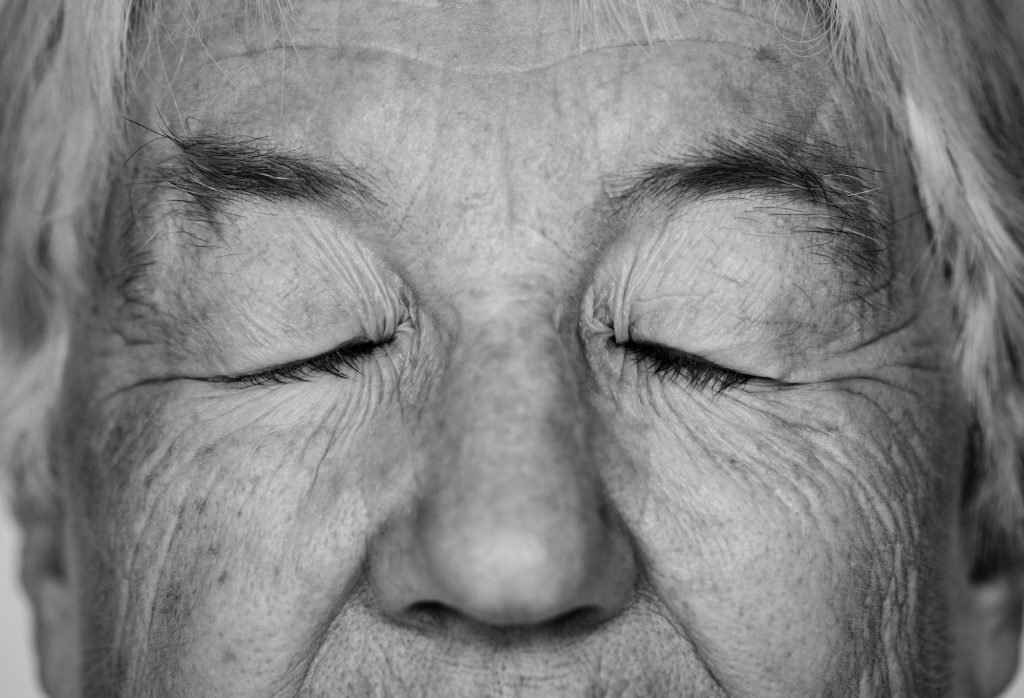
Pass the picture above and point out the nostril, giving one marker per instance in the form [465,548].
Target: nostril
[577,619]
[435,615]
[431,614]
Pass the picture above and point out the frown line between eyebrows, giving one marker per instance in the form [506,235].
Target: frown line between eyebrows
[809,171]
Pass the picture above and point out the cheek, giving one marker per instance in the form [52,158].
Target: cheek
[213,532]
[784,543]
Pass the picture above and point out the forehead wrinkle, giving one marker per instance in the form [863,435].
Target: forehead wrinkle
[474,36]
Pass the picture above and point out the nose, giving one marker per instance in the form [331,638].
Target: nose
[511,525]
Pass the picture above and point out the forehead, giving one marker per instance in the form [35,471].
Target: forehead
[480,35]
[251,65]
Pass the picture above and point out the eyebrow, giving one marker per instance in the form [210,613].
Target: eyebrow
[802,169]
[214,170]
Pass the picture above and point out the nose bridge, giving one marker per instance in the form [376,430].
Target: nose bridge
[514,416]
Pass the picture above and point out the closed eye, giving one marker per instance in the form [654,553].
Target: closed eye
[340,362]
[675,364]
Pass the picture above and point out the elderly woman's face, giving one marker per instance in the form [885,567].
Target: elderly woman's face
[516,357]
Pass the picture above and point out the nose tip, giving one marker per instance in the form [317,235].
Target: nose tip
[522,577]
[534,573]
[510,580]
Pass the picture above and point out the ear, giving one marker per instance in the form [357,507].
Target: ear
[987,617]
[45,577]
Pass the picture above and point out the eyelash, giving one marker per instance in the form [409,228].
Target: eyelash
[662,361]
[673,364]
[340,362]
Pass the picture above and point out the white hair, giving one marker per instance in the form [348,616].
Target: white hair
[947,75]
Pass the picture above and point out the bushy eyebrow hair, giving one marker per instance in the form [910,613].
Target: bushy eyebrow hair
[799,168]
[214,169]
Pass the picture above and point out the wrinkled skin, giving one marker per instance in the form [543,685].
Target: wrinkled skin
[501,500]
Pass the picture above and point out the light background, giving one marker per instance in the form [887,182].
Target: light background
[17,661]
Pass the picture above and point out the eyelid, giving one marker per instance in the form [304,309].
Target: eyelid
[698,372]
[337,362]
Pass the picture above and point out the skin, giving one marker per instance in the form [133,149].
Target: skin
[502,501]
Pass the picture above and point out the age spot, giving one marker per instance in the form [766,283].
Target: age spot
[766,55]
